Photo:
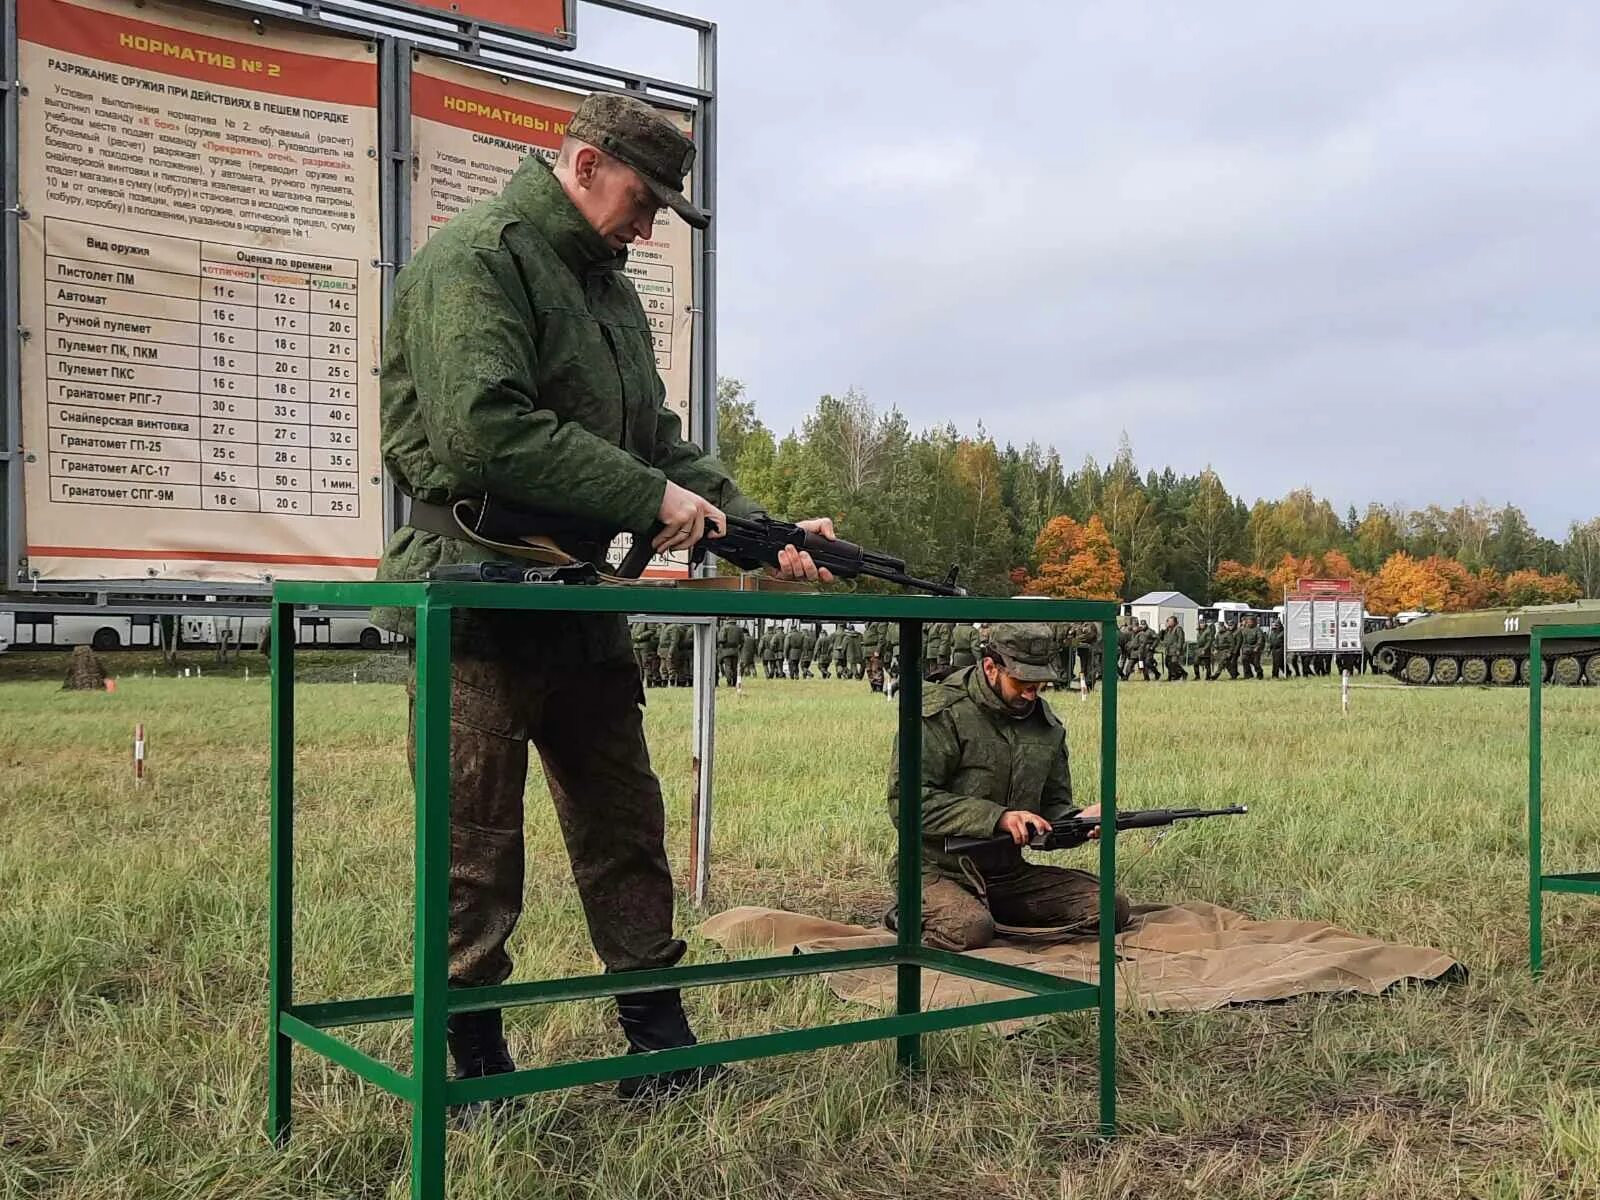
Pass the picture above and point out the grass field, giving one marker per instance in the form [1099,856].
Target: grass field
[133,959]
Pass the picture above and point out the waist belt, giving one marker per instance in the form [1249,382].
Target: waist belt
[501,529]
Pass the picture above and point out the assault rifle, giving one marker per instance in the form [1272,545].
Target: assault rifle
[498,571]
[752,542]
[1074,831]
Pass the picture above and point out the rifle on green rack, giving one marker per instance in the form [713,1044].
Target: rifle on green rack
[1074,831]
[753,542]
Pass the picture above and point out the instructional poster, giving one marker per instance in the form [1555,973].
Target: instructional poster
[200,296]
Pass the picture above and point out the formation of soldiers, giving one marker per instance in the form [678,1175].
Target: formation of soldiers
[810,650]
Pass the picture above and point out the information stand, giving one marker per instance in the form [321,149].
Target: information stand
[427,1088]
[1582,882]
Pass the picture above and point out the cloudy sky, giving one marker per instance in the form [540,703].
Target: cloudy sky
[1351,246]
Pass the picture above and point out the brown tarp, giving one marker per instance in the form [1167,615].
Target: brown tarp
[1184,958]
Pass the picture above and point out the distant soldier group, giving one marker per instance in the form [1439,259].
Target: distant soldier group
[809,650]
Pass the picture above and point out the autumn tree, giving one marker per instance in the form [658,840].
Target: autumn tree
[1240,581]
[1076,561]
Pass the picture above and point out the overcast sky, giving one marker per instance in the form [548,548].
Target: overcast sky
[1350,246]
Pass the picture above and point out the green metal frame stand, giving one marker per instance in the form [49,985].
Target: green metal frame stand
[1583,882]
[427,1087]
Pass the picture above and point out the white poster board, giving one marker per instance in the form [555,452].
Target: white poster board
[200,290]
[1350,615]
[1325,626]
[1297,626]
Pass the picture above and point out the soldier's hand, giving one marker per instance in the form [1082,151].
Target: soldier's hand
[796,564]
[683,519]
[1089,814]
[1023,826]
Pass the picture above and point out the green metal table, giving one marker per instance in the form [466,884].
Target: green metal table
[1583,882]
[428,1087]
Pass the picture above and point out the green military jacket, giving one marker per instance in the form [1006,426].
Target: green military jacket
[1172,642]
[978,763]
[808,644]
[795,644]
[1274,640]
[1227,642]
[852,643]
[518,364]
[823,650]
[1204,640]
[667,642]
[772,644]
[1249,640]
[645,636]
[730,639]
[748,645]
[872,637]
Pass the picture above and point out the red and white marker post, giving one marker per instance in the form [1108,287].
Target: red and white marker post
[138,755]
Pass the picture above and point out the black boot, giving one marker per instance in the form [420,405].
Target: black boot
[478,1045]
[655,1021]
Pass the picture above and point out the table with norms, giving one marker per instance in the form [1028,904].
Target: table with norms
[427,1087]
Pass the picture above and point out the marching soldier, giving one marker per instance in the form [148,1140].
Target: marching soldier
[964,645]
[822,654]
[1172,648]
[747,655]
[1204,639]
[645,637]
[841,638]
[1275,648]
[1226,649]
[730,641]
[1250,649]
[808,648]
[794,649]
[854,661]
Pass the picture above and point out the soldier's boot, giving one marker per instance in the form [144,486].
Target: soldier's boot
[655,1021]
[478,1046]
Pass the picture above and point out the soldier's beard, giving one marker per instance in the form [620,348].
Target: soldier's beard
[1020,708]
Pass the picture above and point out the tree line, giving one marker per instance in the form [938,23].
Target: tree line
[1017,519]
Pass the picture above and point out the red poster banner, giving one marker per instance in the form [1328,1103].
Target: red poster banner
[547,18]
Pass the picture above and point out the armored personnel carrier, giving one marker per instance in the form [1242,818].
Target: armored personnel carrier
[1489,646]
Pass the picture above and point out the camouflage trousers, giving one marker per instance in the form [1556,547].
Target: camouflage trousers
[729,666]
[587,726]
[965,914]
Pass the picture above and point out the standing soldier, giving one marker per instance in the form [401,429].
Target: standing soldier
[747,655]
[685,655]
[794,649]
[938,646]
[1204,640]
[1172,647]
[822,654]
[1226,649]
[1124,637]
[964,646]
[1250,649]
[891,649]
[730,640]
[872,644]
[841,656]
[775,640]
[1275,647]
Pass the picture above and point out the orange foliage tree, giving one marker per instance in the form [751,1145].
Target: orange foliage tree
[1076,561]
[1530,587]
[1238,581]
[1435,584]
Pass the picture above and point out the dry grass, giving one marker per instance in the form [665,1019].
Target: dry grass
[132,960]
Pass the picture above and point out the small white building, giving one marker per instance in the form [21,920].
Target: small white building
[1156,607]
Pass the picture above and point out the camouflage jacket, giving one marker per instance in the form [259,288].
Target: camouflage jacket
[646,636]
[730,640]
[1249,640]
[1227,642]
[794,644]
[1204,639]
[978,763]
[964,645]
[1172,641]
[823,650]
[518,364]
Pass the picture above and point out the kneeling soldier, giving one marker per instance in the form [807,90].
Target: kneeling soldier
[994,760]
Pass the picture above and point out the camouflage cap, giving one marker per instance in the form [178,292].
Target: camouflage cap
[632,132]
[1027,648]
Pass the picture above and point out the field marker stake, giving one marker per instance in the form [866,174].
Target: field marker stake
[1344,694]
[138,755]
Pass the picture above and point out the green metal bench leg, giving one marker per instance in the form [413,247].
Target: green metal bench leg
[1108,891]
[1535,807]
[430,966]
[280,919]
[908,976]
